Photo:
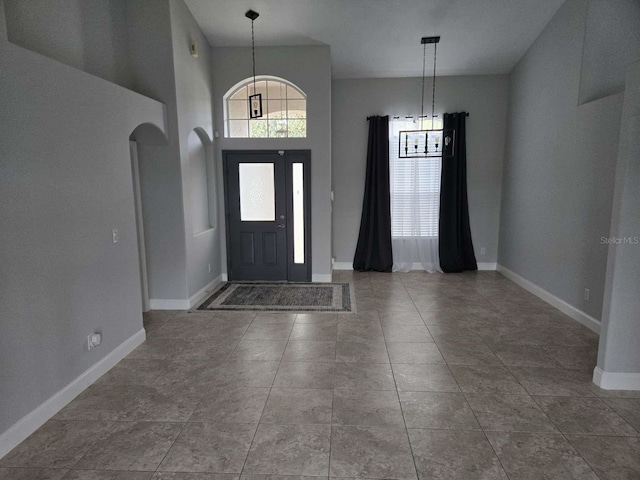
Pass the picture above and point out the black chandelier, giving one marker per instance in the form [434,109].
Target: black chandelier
[255,100]
[426,142]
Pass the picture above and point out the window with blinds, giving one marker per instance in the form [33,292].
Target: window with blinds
[414,185]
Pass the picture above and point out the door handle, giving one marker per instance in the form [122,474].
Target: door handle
[281,225]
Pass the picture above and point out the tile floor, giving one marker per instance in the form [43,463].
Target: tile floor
[436,377]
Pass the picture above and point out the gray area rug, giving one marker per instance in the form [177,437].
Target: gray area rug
[282,297]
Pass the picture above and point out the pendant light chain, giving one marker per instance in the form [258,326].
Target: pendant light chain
[433,93]
[253,55]
[424,56]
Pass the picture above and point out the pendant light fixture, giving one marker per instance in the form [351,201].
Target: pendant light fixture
[255,100]
[426,142]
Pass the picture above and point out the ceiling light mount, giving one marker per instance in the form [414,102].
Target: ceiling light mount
[252,15]
[426,40]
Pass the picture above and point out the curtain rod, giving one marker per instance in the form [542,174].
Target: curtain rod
[466,114]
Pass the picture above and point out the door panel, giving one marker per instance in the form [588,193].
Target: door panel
[255,198]
[267,211]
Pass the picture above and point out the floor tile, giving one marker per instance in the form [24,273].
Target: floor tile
[190,375]
[453,455]
[245,374]
[31,474]
[100,402]
[406,318]
[539,456]
[194,476]
[509,413]
[367,407]
[131,446]
[134,372]
[305,375]
[314,331]
[259,350]
[107,475]
[57,444]
[290,450]
[363,351]
[447,334]
[467,354]
[364,376]
[437,410]
[424,378]
[612,458]
[407,333]
[298,406]
[627,408]
[423,353]
[161,404]
[554,381]
[274,318]
[159,349]
[317,318]
[215,351]
[574,357]
[210,447]
[524,356]
[486,379]
[302,351]
[590,416]
[371,452]
[268,331]
[231,405]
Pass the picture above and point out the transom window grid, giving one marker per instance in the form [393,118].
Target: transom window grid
[284,115]
[414,185]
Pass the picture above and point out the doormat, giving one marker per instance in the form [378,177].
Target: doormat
[282,297]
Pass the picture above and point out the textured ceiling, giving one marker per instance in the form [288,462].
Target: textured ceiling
[381,38]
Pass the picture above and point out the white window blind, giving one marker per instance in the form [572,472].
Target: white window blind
[414,185]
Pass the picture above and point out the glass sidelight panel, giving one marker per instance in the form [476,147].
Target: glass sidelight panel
[257,192]
[298,213]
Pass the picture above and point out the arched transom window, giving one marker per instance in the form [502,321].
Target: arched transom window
[284,110]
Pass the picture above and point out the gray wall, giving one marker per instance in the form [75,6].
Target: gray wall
[612,41]
[152,69]
[309,67]
[484,97]
[559,168]
[195,112]
[90,35]
[65,183]
[620,339]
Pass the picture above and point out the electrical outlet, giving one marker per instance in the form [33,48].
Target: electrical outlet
[586,294]
[94,340]
[483,251]
[115,236]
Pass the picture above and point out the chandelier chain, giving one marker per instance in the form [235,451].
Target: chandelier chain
[253,56]
[424,56]
[433,93]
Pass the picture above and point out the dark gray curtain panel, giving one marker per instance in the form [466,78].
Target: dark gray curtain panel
[373,251]
[454,238]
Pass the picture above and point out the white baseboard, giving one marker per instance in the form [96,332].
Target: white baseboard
[566,308]
[224,277]
[28,424]
[168,304]
[204,291]
[487,266]
[321,277]
[342,265]
[615,380]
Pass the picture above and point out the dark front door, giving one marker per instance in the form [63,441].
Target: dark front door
[267,215]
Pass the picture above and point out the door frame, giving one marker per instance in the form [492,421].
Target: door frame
[295,272]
